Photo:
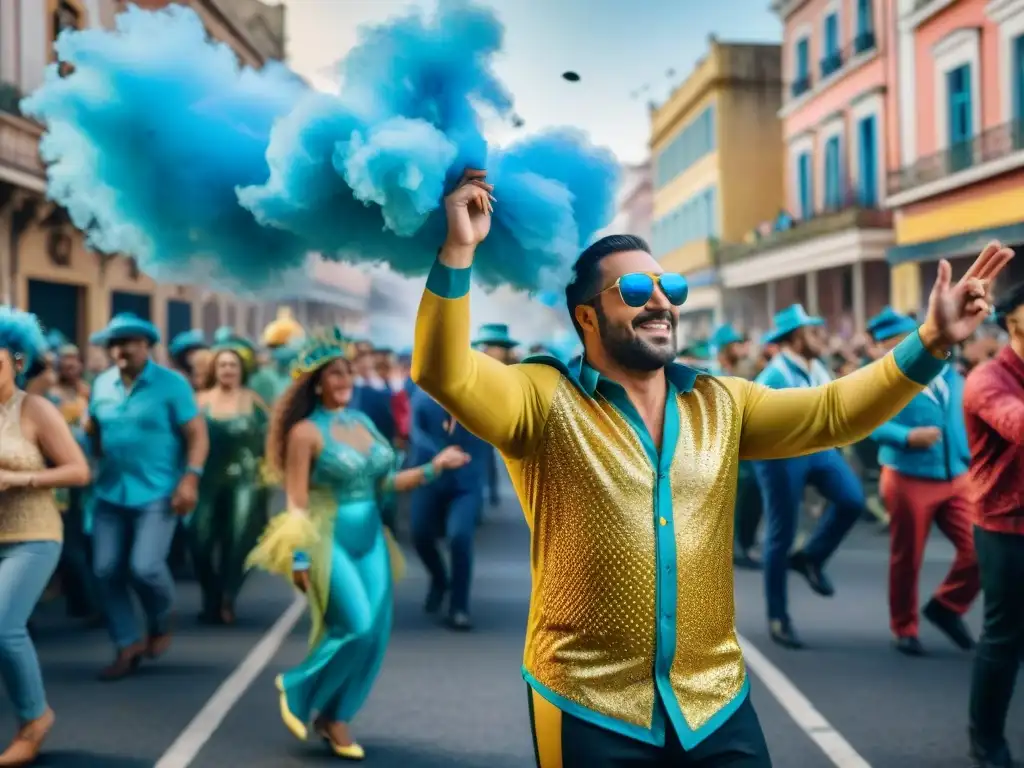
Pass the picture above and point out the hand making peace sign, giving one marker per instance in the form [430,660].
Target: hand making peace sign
[956,311]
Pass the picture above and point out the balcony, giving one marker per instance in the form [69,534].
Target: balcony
[851,215]
[857,52]
[984,155]
[19,145]
[831,64]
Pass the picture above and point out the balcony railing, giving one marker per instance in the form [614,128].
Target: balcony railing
[850,215]
[989,145]
[829,65]
[19,141]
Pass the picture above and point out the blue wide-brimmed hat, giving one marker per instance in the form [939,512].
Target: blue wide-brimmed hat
[187,341]
[887,315]
[127,325]
[725,335]
[895,325]
[788,320]
[494,335]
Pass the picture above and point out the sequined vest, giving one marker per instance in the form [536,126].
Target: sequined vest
[590,492]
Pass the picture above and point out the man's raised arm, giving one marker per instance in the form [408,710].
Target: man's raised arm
[503,405]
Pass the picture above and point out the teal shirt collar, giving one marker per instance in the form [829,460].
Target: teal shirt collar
[681,376]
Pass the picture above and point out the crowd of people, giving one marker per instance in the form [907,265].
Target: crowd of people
[170,470]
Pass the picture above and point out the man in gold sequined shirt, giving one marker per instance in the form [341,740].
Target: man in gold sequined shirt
[626,469]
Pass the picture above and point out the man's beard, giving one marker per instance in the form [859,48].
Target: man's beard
[632,352]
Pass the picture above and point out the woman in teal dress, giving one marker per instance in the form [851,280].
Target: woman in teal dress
[232,507]
[336,469]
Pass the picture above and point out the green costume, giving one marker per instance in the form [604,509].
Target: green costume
[232,507]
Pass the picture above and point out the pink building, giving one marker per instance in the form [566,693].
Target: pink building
[827,250]
[957,151]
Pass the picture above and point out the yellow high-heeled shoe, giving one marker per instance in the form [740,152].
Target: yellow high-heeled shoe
[291,722]
[351,751]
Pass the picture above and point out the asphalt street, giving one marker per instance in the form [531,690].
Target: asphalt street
[457,700]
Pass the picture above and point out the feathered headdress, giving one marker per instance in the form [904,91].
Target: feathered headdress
[22,336]
[226,338]
[320,350]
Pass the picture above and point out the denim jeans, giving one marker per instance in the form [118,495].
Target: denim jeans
[782,483]
[130,548]
[25,570]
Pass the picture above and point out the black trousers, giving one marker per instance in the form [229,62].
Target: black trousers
[997,658]
[563,741]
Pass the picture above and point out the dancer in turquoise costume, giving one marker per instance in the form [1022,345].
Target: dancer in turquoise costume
[337,468]
[281,338]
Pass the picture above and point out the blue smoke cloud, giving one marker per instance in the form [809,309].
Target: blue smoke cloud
[161,147]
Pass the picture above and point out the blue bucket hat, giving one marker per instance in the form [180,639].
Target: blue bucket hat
[725,335]
[494,335]
[186,342]
[127,325]
[896,325]
[887,315]
[788,320]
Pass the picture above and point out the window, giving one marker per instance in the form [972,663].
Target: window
[867,175]
[802,67]
[832,58]
[696,219]
[865,39]
[833,175]
[832,34]
[1018,78]
[806,185]
[695,141]
[65,16]
[958,92]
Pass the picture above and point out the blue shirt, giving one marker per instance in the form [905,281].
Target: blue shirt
[142,446]
[940,405]
[376,403]
[429,435]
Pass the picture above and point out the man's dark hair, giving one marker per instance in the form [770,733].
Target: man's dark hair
[1007,305]
[586,273]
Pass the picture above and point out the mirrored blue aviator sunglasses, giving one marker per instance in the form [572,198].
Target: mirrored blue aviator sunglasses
[636,288]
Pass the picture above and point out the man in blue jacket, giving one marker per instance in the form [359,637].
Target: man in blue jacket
[924,457]
[783,481]
[447,508]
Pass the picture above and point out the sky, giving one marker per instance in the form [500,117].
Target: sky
[628,53]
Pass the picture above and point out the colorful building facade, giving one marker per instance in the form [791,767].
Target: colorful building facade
[959,177]
[826,247]
[717,167]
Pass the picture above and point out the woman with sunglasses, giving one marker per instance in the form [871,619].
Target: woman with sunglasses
[38,453]
[627,474]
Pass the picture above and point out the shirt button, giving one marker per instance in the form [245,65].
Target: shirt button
[663,521]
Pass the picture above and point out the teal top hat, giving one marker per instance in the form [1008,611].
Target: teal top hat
[225,338]
[725,335]
[494,335]
[186,342]
[895,325]
[788,320]
[127,325]
[887,315]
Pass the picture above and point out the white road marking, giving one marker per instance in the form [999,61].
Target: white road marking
[808,719]
[202,727]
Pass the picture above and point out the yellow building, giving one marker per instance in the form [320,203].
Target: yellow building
[718,166]
[44,263]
